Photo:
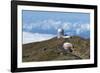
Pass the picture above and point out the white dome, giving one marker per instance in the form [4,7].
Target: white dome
[60,33]
[60,30]
[67,45]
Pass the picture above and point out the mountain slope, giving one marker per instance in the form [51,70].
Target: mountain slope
[52,50]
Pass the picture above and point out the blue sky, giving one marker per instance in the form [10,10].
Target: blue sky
[44,22]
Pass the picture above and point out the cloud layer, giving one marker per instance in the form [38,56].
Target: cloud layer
[35,37]
[50,26]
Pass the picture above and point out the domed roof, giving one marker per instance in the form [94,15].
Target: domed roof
[60,30]
[67,45]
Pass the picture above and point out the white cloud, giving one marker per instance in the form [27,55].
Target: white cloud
[66,26]
[78,31]
[45,25]
[50,24]
[35,37]
[82,27]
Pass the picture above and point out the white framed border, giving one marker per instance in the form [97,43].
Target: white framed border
[52,63]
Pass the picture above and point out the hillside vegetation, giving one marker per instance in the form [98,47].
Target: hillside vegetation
[52,49]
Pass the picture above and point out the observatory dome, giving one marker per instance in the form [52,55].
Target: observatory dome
[67,46]
[60,33]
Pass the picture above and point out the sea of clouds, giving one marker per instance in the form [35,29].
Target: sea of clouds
[46,29]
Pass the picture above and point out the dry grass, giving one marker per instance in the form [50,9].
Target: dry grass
[52,49]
